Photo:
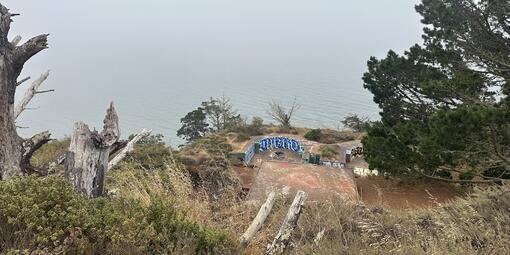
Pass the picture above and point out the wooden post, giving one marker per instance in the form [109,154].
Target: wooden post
[282,239]
[87,159]
[256,224]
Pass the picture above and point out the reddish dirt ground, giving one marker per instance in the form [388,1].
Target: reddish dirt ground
[375,190]
[319,182]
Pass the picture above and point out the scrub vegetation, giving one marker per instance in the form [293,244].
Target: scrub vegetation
[445,117]
[156,206]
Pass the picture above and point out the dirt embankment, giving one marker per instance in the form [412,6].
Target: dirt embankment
[378,191]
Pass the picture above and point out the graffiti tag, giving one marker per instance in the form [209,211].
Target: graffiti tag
[280,143]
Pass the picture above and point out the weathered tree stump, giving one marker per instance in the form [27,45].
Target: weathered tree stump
[87,159]
[282,239]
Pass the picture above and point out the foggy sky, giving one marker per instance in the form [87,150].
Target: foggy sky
[138,53]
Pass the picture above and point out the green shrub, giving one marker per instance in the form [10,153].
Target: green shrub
[215,145]
[47,215]
[44,209]
[329,151]
[467,175]
[286,130]
[150,152]
[256,127]
[313,135]
[171,225]
[356,123]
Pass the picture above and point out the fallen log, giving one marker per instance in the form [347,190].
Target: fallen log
[282,238]
[256,224]
[86,161]
[128,148]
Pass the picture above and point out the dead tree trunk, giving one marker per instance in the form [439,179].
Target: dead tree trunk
[87,159]
[12,59]
[282,239]
[256,224]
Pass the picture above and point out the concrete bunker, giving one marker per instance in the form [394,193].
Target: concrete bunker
[257,145]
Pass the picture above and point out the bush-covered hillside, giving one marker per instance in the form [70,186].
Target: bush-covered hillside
[146,212]
[155,207]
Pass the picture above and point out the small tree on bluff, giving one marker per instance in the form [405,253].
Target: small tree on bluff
[194,125]
[221,113]
[356,123]
[281,114]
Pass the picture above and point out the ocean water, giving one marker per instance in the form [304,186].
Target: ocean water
[323,103]
[159,60]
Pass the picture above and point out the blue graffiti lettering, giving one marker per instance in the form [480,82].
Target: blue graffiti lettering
[279,143]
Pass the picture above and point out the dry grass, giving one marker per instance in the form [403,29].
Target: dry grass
[49,152]
[478,224]
[330,151]
[329,136]
[129,180]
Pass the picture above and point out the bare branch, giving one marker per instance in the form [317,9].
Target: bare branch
[117,146]
[129,148]
[282,115]
[23,80]
[33,46]
[32,90]
[44,91]
[29,147]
